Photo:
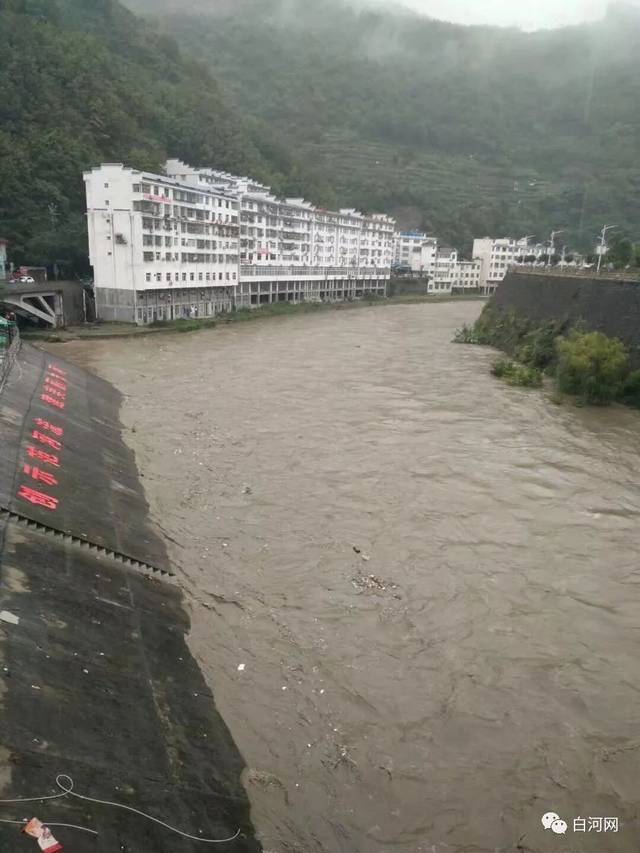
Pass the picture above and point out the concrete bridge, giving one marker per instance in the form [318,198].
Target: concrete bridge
[55,303]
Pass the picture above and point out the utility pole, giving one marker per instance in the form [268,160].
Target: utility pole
[526,239]
[603,243]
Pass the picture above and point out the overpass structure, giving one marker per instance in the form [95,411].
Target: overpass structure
[35,301]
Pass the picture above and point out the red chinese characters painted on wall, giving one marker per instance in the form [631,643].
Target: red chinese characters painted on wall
[40,475]
[49,427]
[37,498]
[46,439]
[54,394]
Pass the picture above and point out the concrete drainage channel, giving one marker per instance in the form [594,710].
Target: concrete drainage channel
[118,557]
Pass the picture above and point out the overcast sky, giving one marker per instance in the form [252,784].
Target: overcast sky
[527,14]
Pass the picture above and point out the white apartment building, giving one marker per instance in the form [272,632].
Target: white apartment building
[416,252]
[467,275]
[160,249]
[444,271]
[293,251]
[498,254]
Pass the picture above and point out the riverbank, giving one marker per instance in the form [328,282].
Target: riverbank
[103,331]
[96,679]
[589,366]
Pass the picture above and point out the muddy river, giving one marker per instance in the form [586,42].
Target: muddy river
[414,590]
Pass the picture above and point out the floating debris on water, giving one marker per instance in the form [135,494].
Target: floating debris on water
[373,583]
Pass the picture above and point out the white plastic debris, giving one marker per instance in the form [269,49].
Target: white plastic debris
[241,667]
[11,618]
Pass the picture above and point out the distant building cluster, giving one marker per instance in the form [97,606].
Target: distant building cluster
[417,254]
[194,242]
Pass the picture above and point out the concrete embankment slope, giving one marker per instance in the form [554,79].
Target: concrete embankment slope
[609,305]
[96,679]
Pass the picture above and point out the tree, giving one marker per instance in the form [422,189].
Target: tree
[592,365]
[620,252]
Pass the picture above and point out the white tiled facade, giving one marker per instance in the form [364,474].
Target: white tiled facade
[415,252]
[293,251]
[498,253]
[160,250]
[444,272]
[467,275]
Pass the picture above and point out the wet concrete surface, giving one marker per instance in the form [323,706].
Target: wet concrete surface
[430,578]
[96,681]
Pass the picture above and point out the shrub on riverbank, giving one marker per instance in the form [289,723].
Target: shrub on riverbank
[593,367]
[588,365]
[517,374]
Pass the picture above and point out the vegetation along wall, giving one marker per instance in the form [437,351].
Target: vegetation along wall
[611,306]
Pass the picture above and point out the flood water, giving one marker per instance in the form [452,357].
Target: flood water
[431,579]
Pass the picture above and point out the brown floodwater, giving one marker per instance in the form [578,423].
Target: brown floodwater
[414,590]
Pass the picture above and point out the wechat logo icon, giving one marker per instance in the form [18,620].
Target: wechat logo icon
[554,822]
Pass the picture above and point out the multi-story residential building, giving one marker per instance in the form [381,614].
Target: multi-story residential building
[407,249]
[160,249]
[415,252]
[293,251]
[498,254]
[444,272]
[467,275]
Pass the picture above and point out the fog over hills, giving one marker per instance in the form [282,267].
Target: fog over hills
[462,130]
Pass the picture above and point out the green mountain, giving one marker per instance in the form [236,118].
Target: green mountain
[84,82]
[460,130]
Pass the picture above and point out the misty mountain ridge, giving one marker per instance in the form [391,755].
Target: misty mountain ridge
[459,130]
[84,83]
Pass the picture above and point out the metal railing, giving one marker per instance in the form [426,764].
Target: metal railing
[578,272]
[9,354]
[248,271]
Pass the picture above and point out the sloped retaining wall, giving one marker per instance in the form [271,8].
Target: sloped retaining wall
[611,306]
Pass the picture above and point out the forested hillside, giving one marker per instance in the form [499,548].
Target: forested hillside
[463,130]
[87,82]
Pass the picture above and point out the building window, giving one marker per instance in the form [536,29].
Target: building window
[200,276]
[148,276]
[168,276]
[184,276]
[106,202]
[192,277]
[106,186]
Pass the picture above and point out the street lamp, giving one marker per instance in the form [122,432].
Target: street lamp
[552,243]
[525,240]
[603,243]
